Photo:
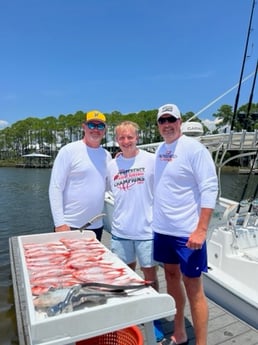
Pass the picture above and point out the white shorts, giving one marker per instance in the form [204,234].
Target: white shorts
[130,251]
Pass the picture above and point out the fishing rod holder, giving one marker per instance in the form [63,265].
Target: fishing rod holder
[255,206]
[250,202]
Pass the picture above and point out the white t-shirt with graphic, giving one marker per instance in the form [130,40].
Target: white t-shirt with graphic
[131,182]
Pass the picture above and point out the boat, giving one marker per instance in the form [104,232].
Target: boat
[35,160]
[232,246]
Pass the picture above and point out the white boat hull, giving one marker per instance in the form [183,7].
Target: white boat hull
[108,210]
[216,291]
[232,279]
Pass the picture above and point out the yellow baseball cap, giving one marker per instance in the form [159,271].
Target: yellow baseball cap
[95,115]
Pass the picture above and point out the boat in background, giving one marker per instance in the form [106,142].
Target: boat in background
[35,160]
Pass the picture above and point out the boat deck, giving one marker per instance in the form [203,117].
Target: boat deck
[224,328]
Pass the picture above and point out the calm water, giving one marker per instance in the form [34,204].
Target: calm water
[24,209]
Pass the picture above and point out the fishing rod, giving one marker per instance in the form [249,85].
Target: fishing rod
[256,156]
[255,201]
[247,181]
[250,207]
[242,69]
[253,198]
[252,91]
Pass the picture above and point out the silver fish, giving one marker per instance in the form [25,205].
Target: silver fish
[58,301]
[79,297]
[50,298]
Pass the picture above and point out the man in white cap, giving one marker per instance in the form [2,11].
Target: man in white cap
[78,178]
[185,192]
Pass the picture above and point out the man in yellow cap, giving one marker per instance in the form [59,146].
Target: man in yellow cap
[78,178]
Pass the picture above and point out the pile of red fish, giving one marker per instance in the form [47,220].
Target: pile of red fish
[68,262]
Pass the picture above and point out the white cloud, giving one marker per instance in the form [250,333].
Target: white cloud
[3,124]
[210,124]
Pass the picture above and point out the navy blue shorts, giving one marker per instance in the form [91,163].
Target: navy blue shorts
[172,250]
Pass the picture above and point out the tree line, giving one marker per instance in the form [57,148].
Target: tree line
[48,134]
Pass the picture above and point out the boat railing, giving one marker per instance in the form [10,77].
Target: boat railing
[244,226]
[231,141]
[245,142]
[238,221]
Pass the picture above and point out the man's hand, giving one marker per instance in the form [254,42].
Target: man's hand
[63,227]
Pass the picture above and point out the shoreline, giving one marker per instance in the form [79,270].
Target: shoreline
[12,164]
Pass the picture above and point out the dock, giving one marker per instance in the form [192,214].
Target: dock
[224,328]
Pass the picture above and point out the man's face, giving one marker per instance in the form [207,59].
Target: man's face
[94,132]
[169,127]
[127,140]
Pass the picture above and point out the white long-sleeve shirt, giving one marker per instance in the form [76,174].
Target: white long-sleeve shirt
[77,184]
[185,182]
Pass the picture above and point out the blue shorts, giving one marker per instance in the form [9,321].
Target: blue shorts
[172,250]
[130,251]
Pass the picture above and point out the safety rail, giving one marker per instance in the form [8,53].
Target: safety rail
[234,141]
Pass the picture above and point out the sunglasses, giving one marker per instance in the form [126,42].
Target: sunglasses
[99,126]
[170,119]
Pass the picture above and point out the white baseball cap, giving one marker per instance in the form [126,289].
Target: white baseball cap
[169,109]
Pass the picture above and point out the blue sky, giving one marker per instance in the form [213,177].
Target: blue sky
[61,56]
